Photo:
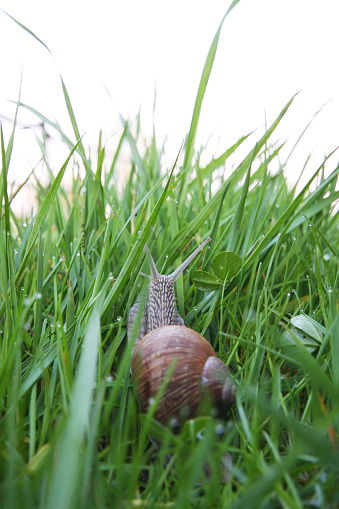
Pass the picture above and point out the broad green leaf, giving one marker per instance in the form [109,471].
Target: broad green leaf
[226,265]
[205,281]
[309,326]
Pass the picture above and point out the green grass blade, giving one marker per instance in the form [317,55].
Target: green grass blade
[202,89]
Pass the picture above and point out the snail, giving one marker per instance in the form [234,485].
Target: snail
[199,379]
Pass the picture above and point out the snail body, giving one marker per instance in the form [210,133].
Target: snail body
[198,378]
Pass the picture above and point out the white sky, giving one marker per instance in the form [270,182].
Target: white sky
[268,50]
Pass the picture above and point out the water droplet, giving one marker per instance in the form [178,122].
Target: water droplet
[26,302]
[288,295]
[24,225]
[310,225]
[110,277]
[78,254]
[16,251]
[38,295]
[327,257]
[277,205]
[8,234]
[166,256]
[118,318]
[109,379]
[61,259]
[174,423]
[139,232]
[151,401]
[329,290]
[220,429]
[294,238]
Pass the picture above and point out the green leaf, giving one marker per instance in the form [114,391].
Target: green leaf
[44,209]
[202,89]
[309,326]
[67,468]
[205,281]
[226,265]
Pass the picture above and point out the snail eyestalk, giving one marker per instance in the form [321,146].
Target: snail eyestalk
[174,276]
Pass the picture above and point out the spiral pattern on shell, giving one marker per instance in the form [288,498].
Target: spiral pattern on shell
[198,375]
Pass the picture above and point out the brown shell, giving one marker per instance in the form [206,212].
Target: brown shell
[152,358]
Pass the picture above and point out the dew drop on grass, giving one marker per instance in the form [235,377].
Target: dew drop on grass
[288,295]
[329,290]
[220,429]
[327,257]
[109,379]
[110,277]
[118,318]
[16,251]
[24,225]
[38,295]
[61,259]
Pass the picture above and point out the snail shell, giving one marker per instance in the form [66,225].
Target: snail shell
[198,377]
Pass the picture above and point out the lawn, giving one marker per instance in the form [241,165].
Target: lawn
[72,434]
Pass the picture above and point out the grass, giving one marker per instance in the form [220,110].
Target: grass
[71,432]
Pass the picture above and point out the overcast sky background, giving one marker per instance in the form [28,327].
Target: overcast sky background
[113,55]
